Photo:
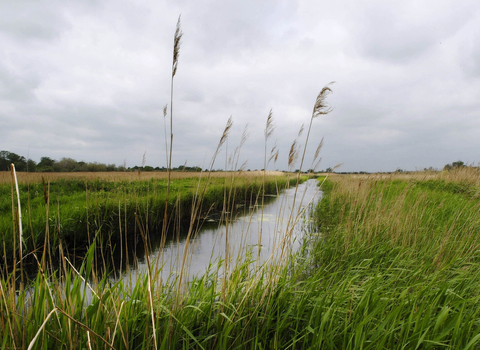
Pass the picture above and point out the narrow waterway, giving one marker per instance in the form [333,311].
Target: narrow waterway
[254,235]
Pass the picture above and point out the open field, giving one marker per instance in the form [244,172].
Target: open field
[397,262]
[152,313]
[109,207]
[394,265]
[31,178]
[469,175]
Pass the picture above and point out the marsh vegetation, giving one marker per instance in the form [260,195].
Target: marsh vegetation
[392,261]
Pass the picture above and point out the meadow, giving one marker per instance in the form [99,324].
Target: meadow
[80,301]
[72,209]
[397,262]
[392,264]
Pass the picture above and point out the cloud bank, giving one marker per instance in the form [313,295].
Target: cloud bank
[88,80]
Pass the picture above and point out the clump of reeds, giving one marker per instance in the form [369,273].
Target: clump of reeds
[399,256]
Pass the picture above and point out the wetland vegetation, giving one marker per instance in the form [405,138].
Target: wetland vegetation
[392,264]
[393,261]
[73,210]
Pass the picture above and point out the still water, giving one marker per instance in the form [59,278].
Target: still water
[254,234]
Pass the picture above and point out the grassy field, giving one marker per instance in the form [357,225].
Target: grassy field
[36,178]
[73,208]
[397,262]
[153,313]
[394,264]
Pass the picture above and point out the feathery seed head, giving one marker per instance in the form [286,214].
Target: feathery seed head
[321,107]
[176,47]
[225,132]
[270,127]
[293,154]
[300,132]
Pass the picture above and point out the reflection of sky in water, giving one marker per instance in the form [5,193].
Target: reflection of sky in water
[248,233]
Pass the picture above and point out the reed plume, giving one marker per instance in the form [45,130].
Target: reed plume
[273,154]
[292,154]
[269,127]
[224,137]
[176,46]
[321,107]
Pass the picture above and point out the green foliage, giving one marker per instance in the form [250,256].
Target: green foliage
[399,262]
[78,210]
[396,267]
[455,165]
[7,158]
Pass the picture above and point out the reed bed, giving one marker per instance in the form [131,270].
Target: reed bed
[396,260]
[67,307]
[130,176]
[73,211]
[394,264]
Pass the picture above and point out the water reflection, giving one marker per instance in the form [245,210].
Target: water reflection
[256,233]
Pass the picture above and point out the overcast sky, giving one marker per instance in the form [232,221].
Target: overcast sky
[88,80]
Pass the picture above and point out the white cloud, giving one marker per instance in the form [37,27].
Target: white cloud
[88,80]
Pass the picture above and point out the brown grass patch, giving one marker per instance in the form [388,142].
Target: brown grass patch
[27,178]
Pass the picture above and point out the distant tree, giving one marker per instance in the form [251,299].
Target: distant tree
[31,166]
[4,162]
[81,166]
[111,167]
[7,158]
[94,167]
[66,165]
[454,165]
[46,164]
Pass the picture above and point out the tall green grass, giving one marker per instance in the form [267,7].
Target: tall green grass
[80,210]
[68,307]
[360,283]
[397,264]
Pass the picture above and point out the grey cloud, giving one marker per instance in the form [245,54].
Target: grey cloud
[403,31]
[32,20]
[17,87]
[93,88]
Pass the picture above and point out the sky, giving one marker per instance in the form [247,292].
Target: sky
[88,80]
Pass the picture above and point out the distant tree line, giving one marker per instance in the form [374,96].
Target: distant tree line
[48,164]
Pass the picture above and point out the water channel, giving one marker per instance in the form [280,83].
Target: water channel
[254,234]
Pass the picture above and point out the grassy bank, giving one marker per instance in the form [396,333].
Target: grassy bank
[242,307]
[393,265]
[397,262]
[75,208]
